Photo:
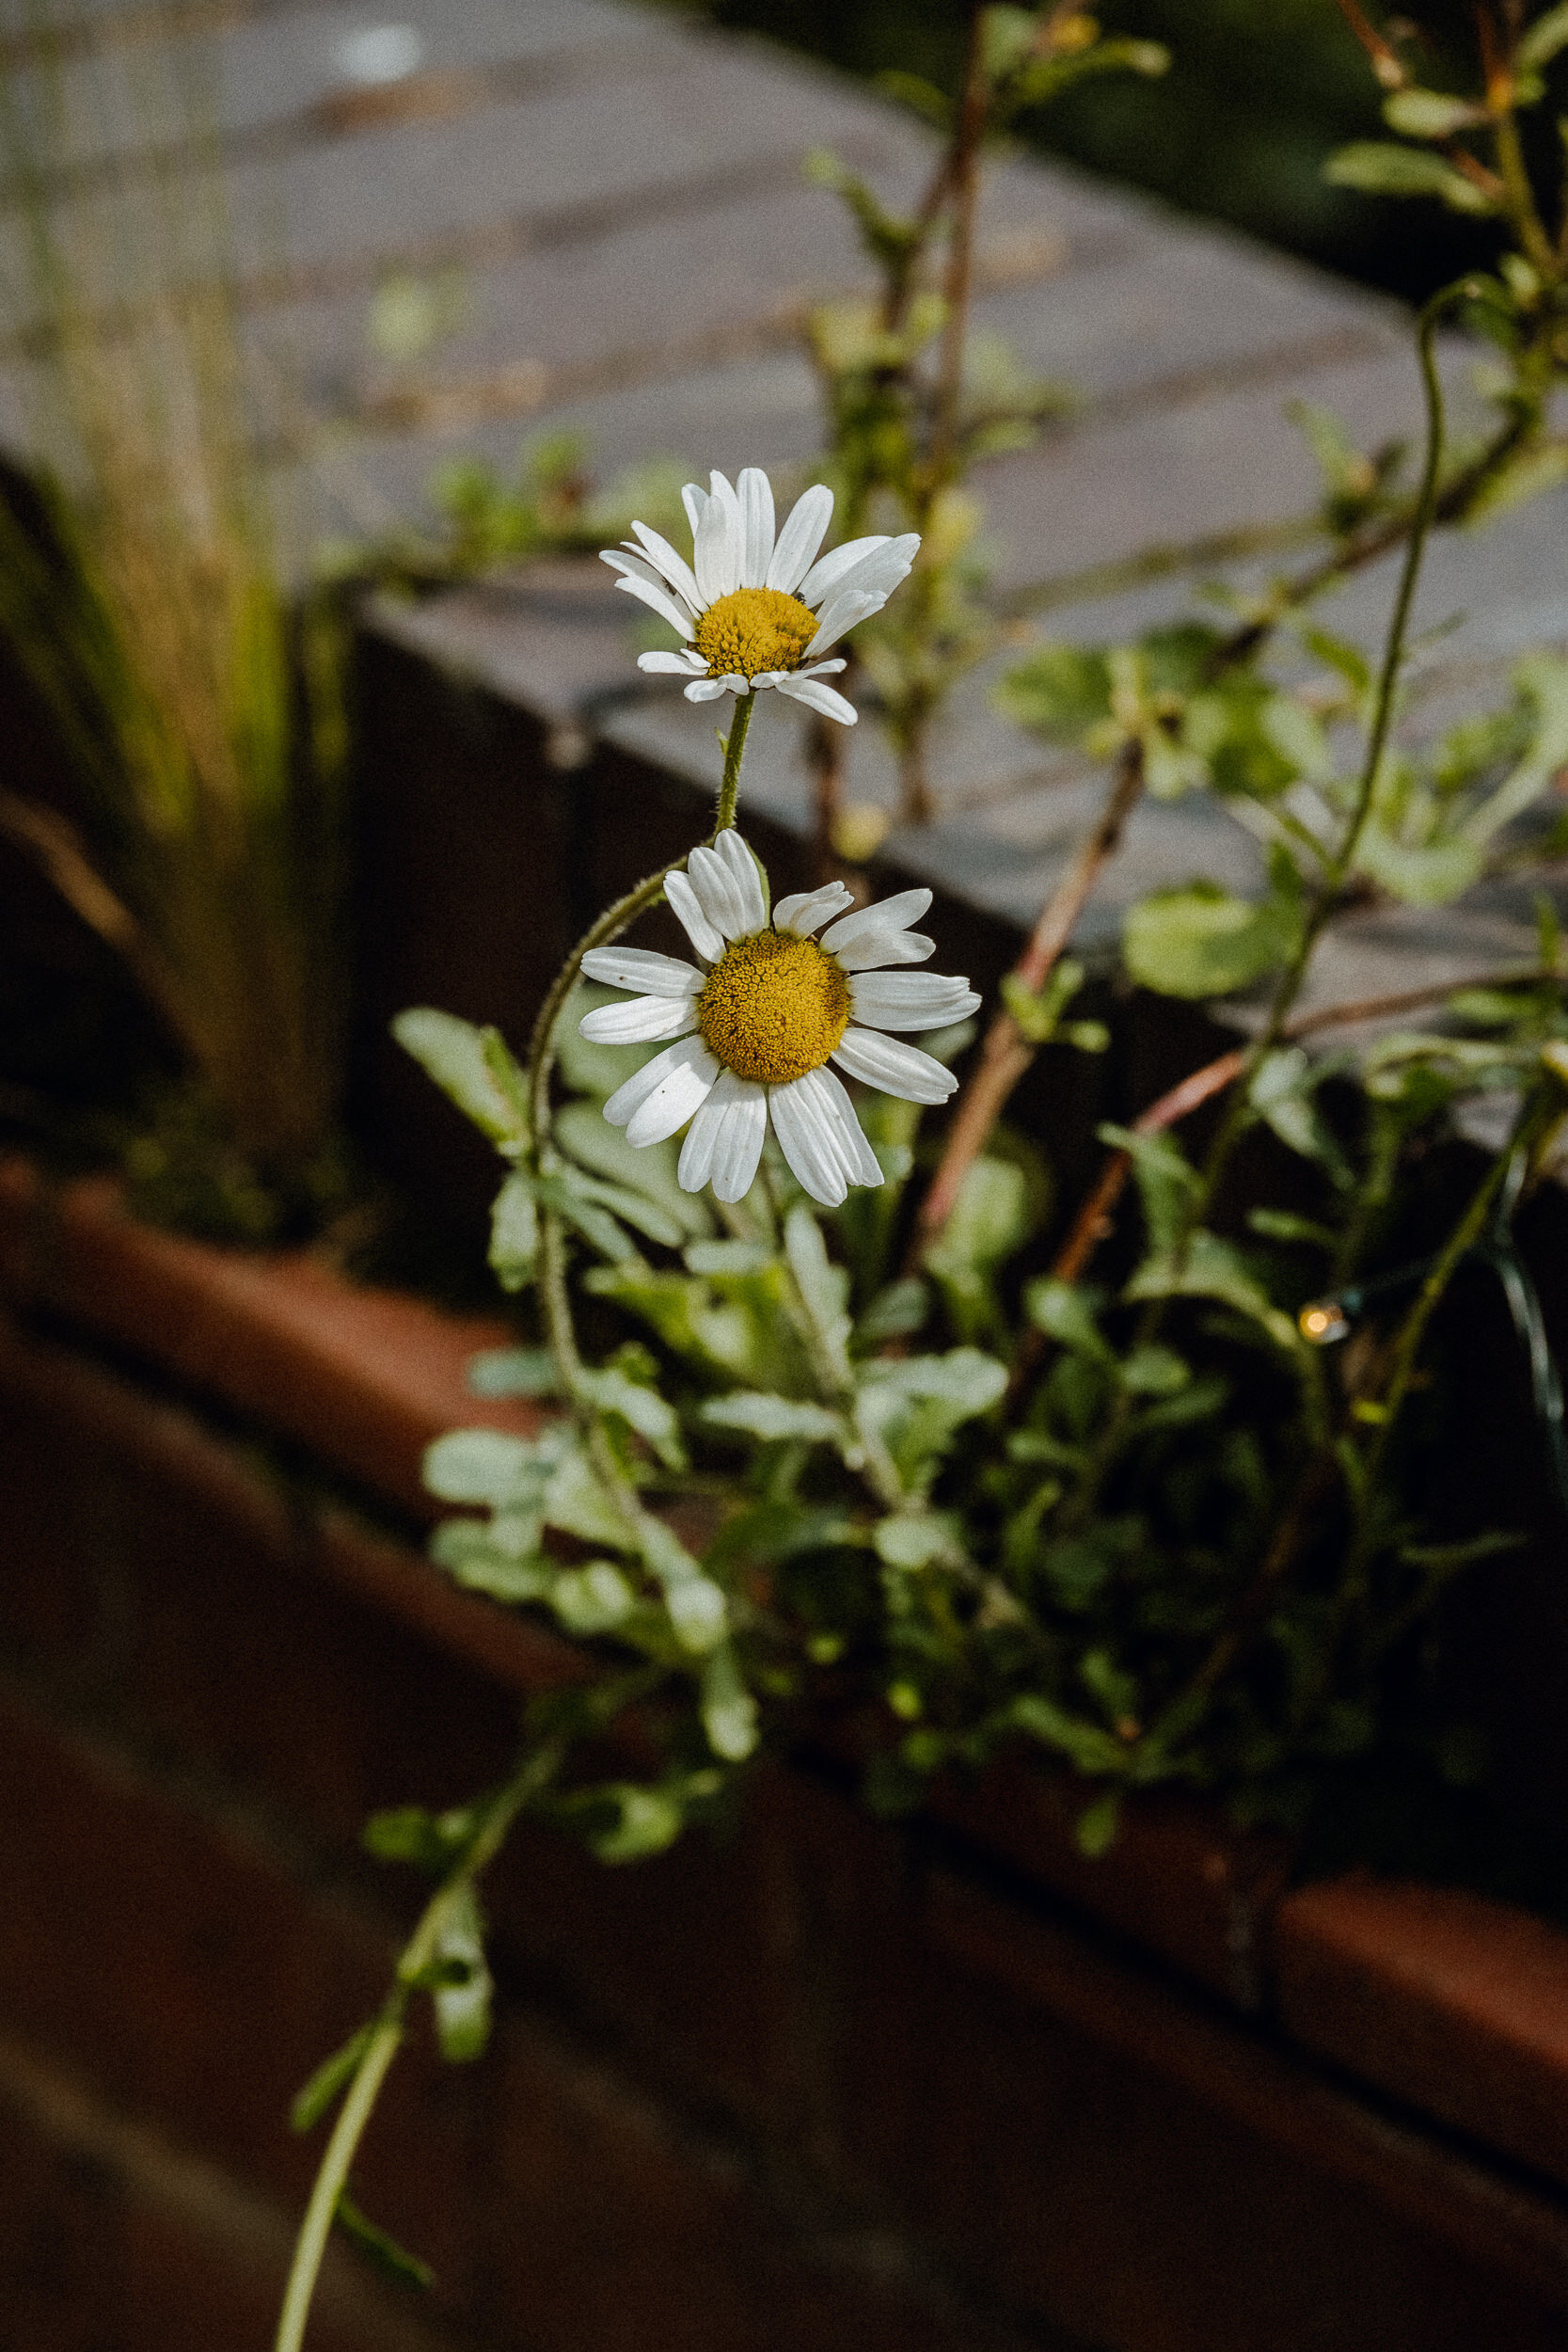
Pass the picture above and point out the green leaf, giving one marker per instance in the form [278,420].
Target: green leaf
[642,1408]
[592,1601]
[894,1313]
[331,2077]
[576,1502]
[1379,168]
[1094,1831]
[1084,1744]
[1006,37]
[915,1540]
[583,1131]
[452,1052]
[1545,38]
[381,2250]
[729,1711]
[1167,1184]
[1061,691]
[512,1572]
[1212,1268]
[1429,114]
[965,1379]
[569,1196]
[514,1371]
[482,1466]
[407,1833]
[761,1414]
[824,1286]
[646,1822]
[514,1233]
[1064,1314]
[1202,941]
[462,2004]
[989,1221]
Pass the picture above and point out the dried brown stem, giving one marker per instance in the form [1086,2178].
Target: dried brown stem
[964,182]
[57,847]
[1006,1054]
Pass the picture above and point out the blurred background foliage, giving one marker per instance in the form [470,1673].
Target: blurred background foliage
[1259,95]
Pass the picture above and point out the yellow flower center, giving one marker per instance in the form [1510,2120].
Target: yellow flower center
[755,629]
[774,1007]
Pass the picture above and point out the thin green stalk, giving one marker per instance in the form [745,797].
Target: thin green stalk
[1324,902]
[419,1954]
[734,751]
[1339,868]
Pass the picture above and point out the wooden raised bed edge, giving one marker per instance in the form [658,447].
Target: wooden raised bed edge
[1455,2005]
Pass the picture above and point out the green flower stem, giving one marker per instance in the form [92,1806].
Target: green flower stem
[418,1956]
[1337,872]
[1324,902]
[734,751]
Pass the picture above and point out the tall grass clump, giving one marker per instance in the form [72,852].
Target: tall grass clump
[145,595]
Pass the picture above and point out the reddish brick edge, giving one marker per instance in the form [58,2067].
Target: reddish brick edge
[366,1377]
[1457,2006]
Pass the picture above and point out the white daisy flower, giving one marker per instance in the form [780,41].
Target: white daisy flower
[760,1015]
[757,609]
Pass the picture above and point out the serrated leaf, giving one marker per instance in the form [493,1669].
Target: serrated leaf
[894,1313]
[483,1466]
[318,2096]
[914,1540]
[498,1372]
[648,1172]
[965,1379]
[642,1409]
[471,1557]
[574,1501]
[1379,168]
[761,1414]
[514,1233]
[1168,1182]
[1064,1314]
[452,1052]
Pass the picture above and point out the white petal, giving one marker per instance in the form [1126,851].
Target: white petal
[885,914]
[862,567]
[629,1098]
[686,664]
[856,1157]
[888,1063]
[844,612]
[705,689]
[874,950]
[694,500]
[676,568]
[726,1139]
[643,969]
[910,1000]
[683,1088]
[817,696]
[825,575]
[756,525]
[655,594]
[821,1137]
[768,678]
[803,910]
[800,537]
[685,905]
[743,867]
[825,669]
[733,683]
[806,1131]
[724,898]
[718,550]
[639,1021]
